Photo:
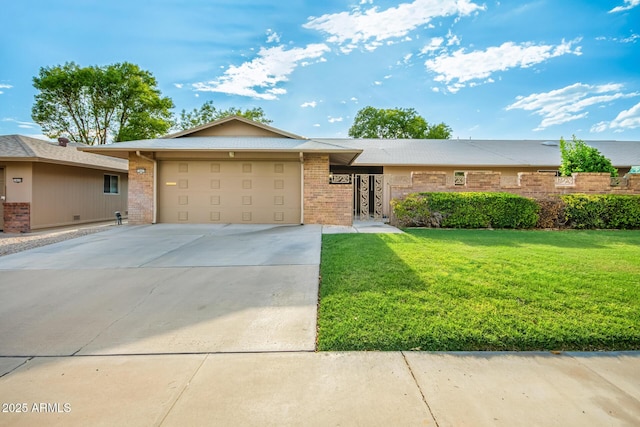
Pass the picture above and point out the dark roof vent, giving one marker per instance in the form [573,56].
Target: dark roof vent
[550,143]
[62,142]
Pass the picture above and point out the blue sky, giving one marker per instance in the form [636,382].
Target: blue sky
[491,70]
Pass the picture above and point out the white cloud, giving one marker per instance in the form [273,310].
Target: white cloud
[569,103]
[370,27]
[461,67]
[272,36]
[311,104]
[434,44]
[259,77]
[335,119]
[628,4]
[178,85]
[21,125]
[4,86]
[627,119]
[377,83]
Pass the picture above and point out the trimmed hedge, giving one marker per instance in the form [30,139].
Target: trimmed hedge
[466,210]
[506,210]
[610,211]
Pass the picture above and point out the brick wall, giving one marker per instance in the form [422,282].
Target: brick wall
[530,184]
[140,191]
[325,203]
[17,217]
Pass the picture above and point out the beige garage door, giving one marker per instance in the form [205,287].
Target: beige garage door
[252,192]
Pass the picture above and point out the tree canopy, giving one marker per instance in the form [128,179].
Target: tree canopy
[396,123]
[208,113]
[95,105]
[577,156]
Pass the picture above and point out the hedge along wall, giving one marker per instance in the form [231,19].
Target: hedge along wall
[505,210]
[466,210]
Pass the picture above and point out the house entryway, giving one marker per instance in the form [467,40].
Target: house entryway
[370,197]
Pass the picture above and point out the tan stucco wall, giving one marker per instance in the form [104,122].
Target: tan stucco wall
[61,193]
[505,171]
[234,128]
[19,192]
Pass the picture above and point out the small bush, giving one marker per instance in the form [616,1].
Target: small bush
[585,211]
[551,214]
[466,210]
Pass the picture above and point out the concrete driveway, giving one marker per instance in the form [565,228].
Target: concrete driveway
[163,289]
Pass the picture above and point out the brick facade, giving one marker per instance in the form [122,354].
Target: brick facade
[141,198]
[325,203]
[17,217]
[530,184]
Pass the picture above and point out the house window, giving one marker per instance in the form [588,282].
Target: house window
[111,184]
[459,178]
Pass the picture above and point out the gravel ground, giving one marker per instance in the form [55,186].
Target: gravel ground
[13,243]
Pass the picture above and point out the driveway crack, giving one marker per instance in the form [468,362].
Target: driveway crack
[19,366]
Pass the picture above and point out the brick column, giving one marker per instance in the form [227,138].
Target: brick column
[324,203]
[17,217]
[141,197]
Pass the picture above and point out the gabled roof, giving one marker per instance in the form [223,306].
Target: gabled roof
[276,132]
[24,148]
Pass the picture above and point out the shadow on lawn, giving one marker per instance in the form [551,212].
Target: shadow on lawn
[570,239]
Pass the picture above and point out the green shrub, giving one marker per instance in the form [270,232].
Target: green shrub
[411,211]
[584,211]
[466,210]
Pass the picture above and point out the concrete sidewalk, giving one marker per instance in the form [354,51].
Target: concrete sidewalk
[320,389]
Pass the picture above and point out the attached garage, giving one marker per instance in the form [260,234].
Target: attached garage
[229,191]
[234,171]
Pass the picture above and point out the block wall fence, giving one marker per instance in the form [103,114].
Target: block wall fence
[537,185]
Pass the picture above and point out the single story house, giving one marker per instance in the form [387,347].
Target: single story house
[44,184]
[238,171]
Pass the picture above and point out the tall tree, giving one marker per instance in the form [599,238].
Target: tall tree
[577,156]
[95,105]
[396,123]
[208,113]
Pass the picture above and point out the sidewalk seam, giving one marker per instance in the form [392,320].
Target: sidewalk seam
[184,389]
[415,380]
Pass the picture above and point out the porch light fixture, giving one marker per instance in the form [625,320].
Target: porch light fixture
[141,170]
[17,180]
[232,154]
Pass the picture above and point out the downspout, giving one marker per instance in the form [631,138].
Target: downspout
[155,184]
[301,188]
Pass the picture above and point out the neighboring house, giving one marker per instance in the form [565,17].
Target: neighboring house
[238,171]
[44,184]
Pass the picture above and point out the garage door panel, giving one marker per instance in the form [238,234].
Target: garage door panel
[229,192]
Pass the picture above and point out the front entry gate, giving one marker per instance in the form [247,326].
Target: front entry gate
[369,197]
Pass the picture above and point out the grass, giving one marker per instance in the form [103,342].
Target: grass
[448,290]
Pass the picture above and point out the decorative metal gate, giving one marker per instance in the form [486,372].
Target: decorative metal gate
[368,197]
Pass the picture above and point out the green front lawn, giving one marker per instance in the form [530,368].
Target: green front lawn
[449,290]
